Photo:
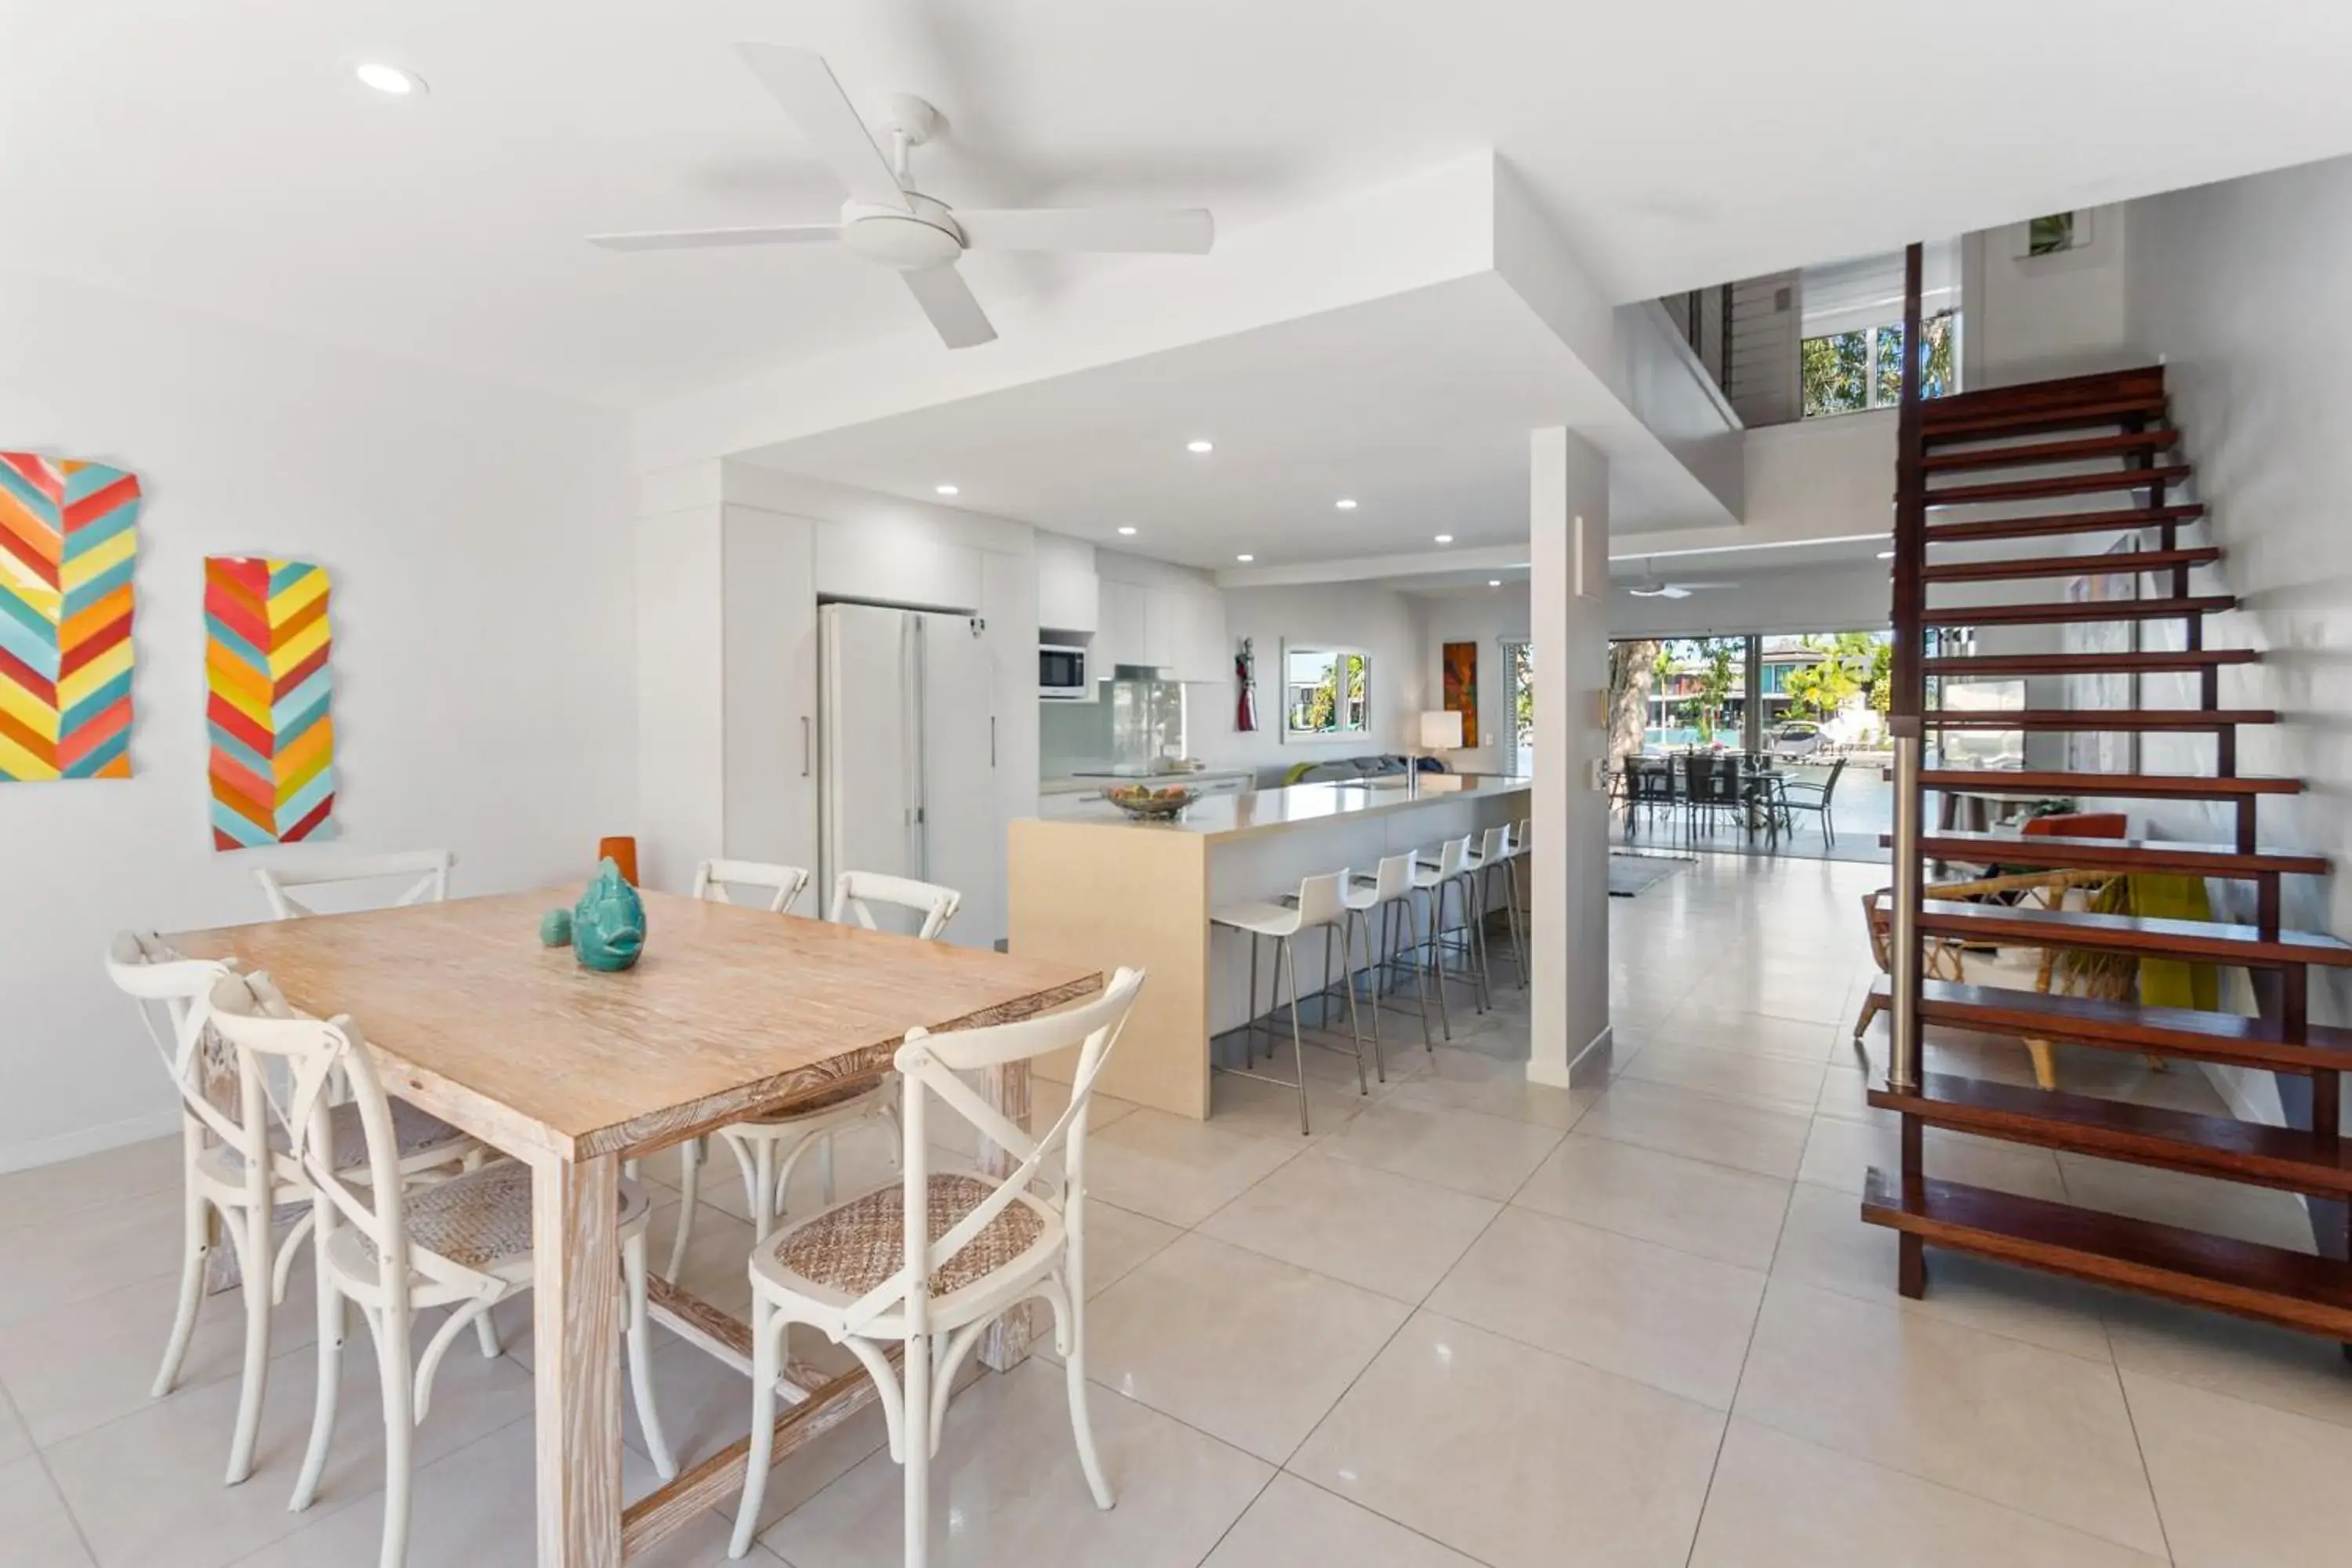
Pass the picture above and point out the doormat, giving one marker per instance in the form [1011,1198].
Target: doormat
[1630,875]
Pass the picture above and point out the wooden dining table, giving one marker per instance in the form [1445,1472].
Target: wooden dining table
[730,1013]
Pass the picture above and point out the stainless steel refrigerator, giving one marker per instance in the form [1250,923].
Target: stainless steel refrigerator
[906,757]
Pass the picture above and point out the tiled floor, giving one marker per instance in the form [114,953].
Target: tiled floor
[1469,1321]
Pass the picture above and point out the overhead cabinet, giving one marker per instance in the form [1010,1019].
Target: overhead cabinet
[1171,626]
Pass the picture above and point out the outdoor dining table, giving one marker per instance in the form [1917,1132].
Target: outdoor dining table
[730,1013]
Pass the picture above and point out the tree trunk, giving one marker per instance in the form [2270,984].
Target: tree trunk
[1632,671]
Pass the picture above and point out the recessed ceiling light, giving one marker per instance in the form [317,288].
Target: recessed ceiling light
[1493,582]
[1346,505]
[945,489]
[1127,530]
[1445,539]
[1200,447]
[1886,555]
[390,79]
[1245,560]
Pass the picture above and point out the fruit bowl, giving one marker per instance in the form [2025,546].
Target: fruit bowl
[1146,804]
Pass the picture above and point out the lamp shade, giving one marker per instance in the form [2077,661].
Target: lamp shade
[1440,730]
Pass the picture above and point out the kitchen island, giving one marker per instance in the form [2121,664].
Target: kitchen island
[1107,892]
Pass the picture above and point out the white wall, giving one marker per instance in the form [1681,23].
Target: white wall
[1381,621]
[1835,597]
[1484,618]
[2241,288]
[485,698]
[2030,318]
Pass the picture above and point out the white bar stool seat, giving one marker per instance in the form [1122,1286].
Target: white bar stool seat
[1322,906]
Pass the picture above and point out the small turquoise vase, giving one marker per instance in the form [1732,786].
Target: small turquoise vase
[608,923]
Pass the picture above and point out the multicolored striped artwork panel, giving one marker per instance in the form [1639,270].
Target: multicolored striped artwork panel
[267,645]
[69,540]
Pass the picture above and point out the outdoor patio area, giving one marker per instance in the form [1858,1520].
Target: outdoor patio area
[1862,808]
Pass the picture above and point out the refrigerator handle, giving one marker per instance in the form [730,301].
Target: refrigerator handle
[991,740]
[808,748]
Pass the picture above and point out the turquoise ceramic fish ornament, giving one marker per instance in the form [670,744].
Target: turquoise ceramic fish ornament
[608,923]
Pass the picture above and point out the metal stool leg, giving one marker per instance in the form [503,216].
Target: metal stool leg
[1298,1041]
[1373,963]
[1348,980]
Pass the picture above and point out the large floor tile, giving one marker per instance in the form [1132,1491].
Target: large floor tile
[1700,1126]
[2222,1354]
[1713,1210]
[147,1488]
[1487,1156]
[1775,1082]
[1780,1502]
[35,1528]
[2240,1485]
[2194,1203]
[1293,1524]
[1382,1232]
[1493,1086]
[15,1442]
[2011,1422]
[83,1365]
[478,1506]
[1825,1244]
[1266,1110]
[1007,1492]
[1516,1457]
[1840,1154]
[67,1258]
[1247,1349]
[1670,1318]
[1118,1240]
[1754,1033]
[1174,1170]
[44,1193]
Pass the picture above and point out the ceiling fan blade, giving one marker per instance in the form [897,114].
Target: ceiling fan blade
[1672,591]
[701,238]
[806,87]
[1188,231]
[947,301]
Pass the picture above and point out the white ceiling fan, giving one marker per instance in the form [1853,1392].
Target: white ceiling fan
[1652,586]
[886,220]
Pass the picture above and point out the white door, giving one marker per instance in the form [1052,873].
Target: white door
[963,843]
[867,748]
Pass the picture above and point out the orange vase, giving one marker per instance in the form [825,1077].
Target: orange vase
[621,852]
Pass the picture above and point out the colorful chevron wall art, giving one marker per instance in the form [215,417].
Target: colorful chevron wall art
[273,731]
[68,540]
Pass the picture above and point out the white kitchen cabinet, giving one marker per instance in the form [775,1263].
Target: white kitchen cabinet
[1187,627]
[1121,635]
[1069,595]
[768,773]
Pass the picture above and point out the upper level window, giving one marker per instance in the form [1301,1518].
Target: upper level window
[1851,346]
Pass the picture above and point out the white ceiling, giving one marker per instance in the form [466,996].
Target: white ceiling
[1416,406]
[219,156]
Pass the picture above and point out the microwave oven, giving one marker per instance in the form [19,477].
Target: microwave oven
[1062,673]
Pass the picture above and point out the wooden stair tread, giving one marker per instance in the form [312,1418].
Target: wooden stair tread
[2286,1157]
[2054,613]
[2004,664]
[2232,1038]
[2101,397]
[2298,1290]
[2129,442]
[2064,522]
[2059,485]
[2131,786]
[2066,566]
[2096,720]
[2221,943]
[2040,850]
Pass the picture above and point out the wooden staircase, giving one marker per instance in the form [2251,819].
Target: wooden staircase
[2106,441]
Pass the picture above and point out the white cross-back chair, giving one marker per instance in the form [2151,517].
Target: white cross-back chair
[855,894]
[244,1172]
[464,1243]
[928,1263]
[770,1149]
[426,872]
[779,888]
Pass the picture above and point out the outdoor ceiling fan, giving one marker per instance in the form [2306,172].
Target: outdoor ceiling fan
[887,221]
[1652,586]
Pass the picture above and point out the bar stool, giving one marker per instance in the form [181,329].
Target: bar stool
[1431,878]
[1495,854]
[1321,906]
[1390,891]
